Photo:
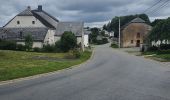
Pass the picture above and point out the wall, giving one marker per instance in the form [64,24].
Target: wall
[86,40]
[49,39]
[35,44]
[57,38]
[129,33]
[25,21]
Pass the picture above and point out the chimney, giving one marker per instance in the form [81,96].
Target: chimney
[39,7]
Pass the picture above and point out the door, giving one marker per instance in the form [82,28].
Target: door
[138,43]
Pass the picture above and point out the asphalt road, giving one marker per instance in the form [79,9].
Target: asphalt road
[109,75]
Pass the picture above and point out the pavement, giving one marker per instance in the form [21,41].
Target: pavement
[111,74]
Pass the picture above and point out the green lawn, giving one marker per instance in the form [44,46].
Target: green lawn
[159,55]
[17,64]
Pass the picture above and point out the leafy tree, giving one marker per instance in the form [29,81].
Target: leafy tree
[68,41]
[155,22]
[93,35]
[102,33]
[28,42]
[161,31]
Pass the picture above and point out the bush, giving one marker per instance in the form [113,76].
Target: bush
[163,52]
[165,46]
[113,45]
[72,54]
[7,45]
[20,47]
[36,49]
[153,48]
[77,53]
[28,42]
[48,48]
[68,41]
[105,40]
[58,46]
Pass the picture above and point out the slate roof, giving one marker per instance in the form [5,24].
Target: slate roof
[18,34]
[76,27]
[137,20]
[26,12]
[46,18]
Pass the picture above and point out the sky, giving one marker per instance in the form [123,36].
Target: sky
[95,13]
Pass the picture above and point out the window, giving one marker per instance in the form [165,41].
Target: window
[131,41]
[18,22]
[33,22]
[138,35]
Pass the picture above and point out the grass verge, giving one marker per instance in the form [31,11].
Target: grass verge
[113,45]
[17,64]
[163,56]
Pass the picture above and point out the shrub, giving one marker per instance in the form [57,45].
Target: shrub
[20,47]
[105,40]
[163,52]
[48,48]
[7,45]
[68,41]
[153,48]
[36,49]
[70,55]
[77,53]
[28,42]
[58,46]
[113,45]
[165,46]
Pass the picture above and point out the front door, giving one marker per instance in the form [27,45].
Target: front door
[138,43]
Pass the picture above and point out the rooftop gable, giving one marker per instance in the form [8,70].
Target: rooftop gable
[137,20]
[76,27]
[26,12]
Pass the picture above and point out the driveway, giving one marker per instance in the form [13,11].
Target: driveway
[109,75]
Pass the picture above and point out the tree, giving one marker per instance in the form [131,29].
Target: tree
[28,42]
[93,35]
[161,31]
[68,41]
[156,21]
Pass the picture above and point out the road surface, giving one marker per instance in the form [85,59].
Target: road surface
[109,75]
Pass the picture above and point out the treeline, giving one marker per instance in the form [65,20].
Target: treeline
[114,24]
[161,31]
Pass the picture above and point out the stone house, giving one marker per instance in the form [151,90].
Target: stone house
[44,28]
[134,33]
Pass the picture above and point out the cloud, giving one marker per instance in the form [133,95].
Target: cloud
[92,12]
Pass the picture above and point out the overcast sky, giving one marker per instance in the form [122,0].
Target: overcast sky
[92,12]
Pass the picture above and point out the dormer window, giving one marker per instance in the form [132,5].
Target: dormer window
[18,22]
[33,22]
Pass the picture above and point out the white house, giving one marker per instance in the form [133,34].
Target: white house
[86,37]
[44,28]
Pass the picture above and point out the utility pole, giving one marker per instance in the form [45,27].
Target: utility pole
[119,33]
